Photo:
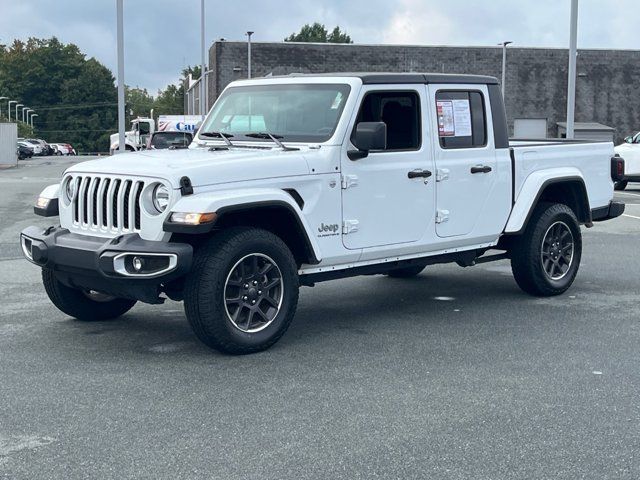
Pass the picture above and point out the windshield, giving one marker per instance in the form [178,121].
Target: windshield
[294,113]
[170,139]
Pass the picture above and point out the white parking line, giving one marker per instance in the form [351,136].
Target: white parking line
[628,193]
[630,216]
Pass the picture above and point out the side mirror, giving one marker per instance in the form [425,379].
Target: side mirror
[628,140]
[369,136]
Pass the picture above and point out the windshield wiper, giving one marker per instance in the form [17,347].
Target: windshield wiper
[275,138]
[223,136]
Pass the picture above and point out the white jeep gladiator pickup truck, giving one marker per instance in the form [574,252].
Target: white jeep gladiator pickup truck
[301,179]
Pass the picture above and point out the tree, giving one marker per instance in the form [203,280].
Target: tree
[170,101]
[75,97]
[139,102]
[319,34]
[194,71]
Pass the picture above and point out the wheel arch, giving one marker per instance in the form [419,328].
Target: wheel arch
[278,211]
[276,216]
[568,190]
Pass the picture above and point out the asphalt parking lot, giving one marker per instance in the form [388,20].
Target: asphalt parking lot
[453,375]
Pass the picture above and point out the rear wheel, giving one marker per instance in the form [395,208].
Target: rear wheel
[407,272]
[546,257]
[85,305]
[620,185]
[242,292]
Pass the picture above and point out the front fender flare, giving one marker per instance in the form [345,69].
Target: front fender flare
[225,201]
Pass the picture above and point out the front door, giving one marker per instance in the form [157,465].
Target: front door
[388,196]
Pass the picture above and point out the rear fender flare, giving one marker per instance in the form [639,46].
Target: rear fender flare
[532,190]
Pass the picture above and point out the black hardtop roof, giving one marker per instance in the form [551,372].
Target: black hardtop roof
[369,78]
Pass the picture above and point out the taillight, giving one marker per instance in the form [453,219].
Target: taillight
[617,169]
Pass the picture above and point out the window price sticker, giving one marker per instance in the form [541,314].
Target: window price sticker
[454,118]
[446,124]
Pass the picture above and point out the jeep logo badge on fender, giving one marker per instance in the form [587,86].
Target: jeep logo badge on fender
[328,228]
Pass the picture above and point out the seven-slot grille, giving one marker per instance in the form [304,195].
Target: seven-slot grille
[106,203]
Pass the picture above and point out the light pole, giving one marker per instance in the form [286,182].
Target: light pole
[573,53]
[249,53]
[120,55]
[18,105]
[9,108]
[202,62]
[34,115]
[504,65]
[23,110]
[29,110]
[2,98]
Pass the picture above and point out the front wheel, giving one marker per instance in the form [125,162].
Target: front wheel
[546,257]
[242,292]
[88,305]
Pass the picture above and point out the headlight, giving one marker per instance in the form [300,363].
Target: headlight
[70,189]
[160,198]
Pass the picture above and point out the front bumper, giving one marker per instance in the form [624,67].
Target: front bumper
[106,265]
[613,210]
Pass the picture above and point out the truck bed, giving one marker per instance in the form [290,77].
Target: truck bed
[589,160]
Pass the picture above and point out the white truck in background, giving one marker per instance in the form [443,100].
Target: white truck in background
[143,127]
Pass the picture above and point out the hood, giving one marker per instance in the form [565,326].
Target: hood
[201,165]
[625,146]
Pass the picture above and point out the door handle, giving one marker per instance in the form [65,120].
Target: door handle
[419,173]
[481,169]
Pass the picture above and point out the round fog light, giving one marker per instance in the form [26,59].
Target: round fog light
[137,263]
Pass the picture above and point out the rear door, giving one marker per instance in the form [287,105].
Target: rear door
[388,197]
[472,189]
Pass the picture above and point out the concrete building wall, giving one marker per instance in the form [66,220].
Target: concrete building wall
[608,84]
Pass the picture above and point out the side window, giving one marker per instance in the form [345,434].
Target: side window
[461,119]
[400,111]
[144,128]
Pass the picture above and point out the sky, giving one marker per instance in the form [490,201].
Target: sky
[163,36]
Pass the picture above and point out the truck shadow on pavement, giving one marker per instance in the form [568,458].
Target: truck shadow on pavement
[330,312]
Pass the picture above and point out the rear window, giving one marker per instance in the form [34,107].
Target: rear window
[461,119]
[171,139]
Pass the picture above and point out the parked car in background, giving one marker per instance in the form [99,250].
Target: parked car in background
[62,149]
[630,151]
[162,140]
[24,151]
[46,148]
[38,148]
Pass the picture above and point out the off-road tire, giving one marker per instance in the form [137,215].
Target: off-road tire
[204,294]
[79,305]
[619,186]
[526,252]
[406,272]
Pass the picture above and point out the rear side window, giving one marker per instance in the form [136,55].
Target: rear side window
[400,111]
[461,119]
